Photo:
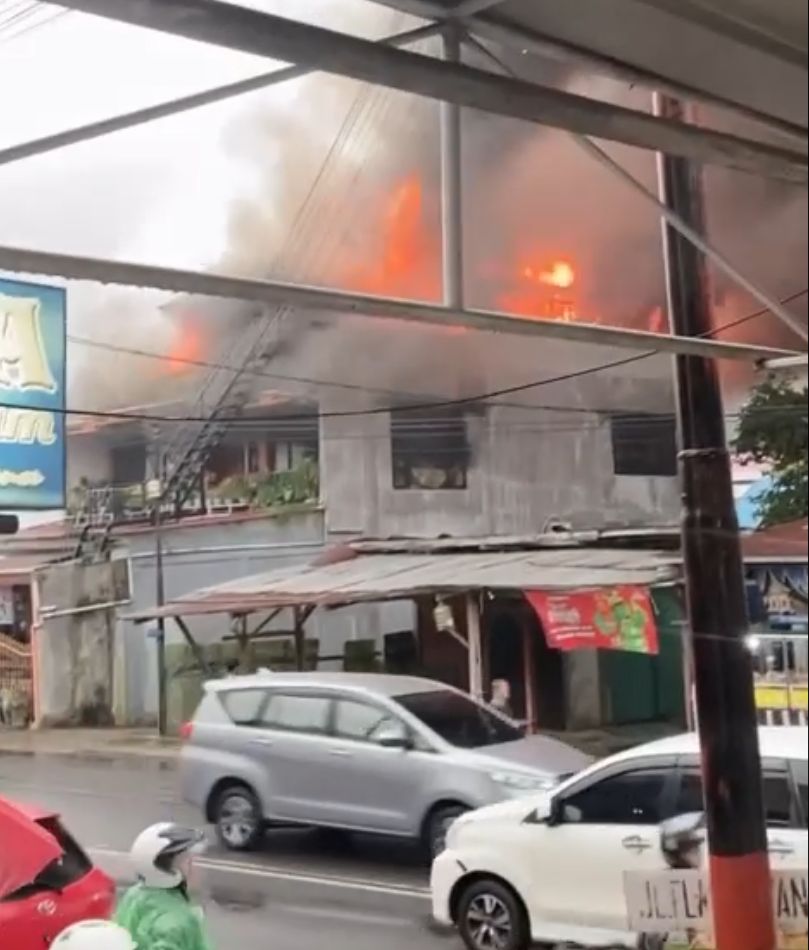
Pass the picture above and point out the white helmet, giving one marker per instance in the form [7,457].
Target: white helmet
[94,935]
[155,851]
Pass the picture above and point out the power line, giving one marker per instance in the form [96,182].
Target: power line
[437,425]
[436,404]
[20,17]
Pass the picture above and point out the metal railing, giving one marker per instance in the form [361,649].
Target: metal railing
[16,683]
[781,667]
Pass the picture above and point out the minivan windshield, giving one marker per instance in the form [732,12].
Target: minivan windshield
[458,719]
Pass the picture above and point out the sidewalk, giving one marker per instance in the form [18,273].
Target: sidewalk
[97,744]
[146,745]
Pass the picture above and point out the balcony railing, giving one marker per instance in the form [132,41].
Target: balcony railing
[100,505]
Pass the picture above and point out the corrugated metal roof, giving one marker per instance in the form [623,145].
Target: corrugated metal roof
[784,543]
[401,576]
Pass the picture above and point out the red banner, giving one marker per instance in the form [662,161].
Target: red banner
[614,618]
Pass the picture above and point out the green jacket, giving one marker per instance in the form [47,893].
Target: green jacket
[162,920]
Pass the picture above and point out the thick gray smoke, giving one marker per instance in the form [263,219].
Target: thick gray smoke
[320,211]
[329,160]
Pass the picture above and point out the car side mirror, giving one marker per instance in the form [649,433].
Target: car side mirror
[556,812]
[393,737]
[549,812]
[681,840]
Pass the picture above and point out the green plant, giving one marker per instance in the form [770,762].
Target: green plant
[275,489]
[773,429]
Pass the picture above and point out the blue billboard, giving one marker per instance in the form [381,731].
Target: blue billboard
[33,326]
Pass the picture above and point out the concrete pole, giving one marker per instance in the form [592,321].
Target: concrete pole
[717,608]
[452,183]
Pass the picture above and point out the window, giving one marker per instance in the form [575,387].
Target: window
[632,798]
[458,719]
[252,458]
[800,770]
[354,720]
[429,449]
[297,713]
[689,798]
[777,797]
[778,800]
[644,444]
[244,705]
[70,868]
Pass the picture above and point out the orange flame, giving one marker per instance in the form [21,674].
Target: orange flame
[561,274]
[538,292]
[188,349]
[408,261]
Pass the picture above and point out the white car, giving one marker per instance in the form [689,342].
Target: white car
[549,868]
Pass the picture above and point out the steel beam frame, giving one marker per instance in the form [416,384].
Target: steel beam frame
[670,215]
[452,211]
[262,34]
[197,100]
[332,303]
[737,29]
[490,25]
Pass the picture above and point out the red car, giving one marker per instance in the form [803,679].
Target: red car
[47,882]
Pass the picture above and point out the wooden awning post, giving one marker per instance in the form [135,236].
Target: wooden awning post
[475,645]
[301,615]
[196,649]
[529,674]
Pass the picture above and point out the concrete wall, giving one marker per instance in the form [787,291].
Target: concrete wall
[204,555]
[529,465]
[73,653]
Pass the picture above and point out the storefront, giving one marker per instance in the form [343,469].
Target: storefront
[557,627]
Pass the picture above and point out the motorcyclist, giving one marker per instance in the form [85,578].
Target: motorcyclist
[158,911]
[94,935]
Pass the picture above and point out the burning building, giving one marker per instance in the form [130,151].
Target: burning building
[415,431]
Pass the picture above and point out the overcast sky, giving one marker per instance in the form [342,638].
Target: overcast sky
[159,193]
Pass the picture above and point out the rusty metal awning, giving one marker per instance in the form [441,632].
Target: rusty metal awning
[381,577]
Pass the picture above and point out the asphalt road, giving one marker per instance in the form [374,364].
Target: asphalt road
[302,889]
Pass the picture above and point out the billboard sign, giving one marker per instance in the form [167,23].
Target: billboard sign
[615,618]
[33,327]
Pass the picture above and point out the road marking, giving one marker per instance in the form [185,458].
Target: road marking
[284,874]
[346,916]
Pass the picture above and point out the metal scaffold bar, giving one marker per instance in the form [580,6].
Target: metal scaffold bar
[335,302]
[128,120]
[262,34]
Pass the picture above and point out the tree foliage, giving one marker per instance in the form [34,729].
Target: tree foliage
[773,429]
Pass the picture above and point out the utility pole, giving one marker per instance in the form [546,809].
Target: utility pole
[160,586]
[739,864]
[162,679]
[452,182]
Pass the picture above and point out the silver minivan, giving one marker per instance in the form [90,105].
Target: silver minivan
[372,753]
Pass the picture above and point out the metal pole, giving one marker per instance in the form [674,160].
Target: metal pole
[162,698]
[740,875]
[331,303]
[158,463]
[253,31]
[128,120]
[474,643]
[452,184]
[675,220]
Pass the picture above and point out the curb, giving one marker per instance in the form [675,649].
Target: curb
[163,760]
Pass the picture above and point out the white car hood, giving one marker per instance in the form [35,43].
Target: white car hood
[515,811]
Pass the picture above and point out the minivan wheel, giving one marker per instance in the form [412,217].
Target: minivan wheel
[490,917]
[438,826]
[238,819]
